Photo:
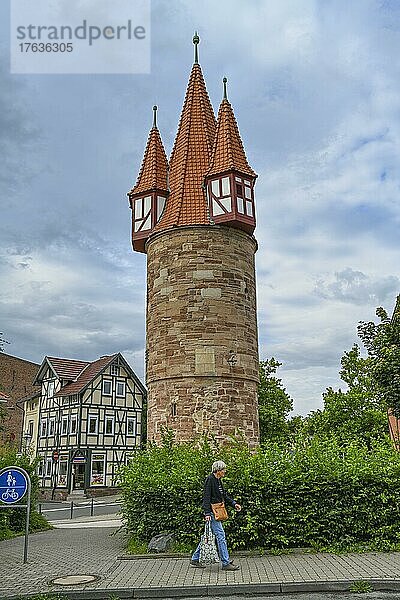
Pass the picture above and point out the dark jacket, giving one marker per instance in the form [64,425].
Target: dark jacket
[212,494]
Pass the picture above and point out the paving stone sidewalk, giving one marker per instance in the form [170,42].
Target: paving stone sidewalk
[98,551]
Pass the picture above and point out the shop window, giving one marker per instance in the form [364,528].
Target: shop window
[98,469]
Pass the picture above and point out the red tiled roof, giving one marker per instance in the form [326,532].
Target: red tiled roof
[66,368]
[87,375]
[154,170]
[228,151]
[190,158]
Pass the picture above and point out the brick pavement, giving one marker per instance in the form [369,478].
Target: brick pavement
[98,551]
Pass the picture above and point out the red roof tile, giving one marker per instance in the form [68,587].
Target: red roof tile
[87,375]
[66,368]
[154,170]
[190,158]
[228,151]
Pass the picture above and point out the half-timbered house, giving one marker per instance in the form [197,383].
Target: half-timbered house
[88,422]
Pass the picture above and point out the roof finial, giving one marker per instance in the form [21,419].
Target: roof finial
[224,81]
[196,41]
[155,117]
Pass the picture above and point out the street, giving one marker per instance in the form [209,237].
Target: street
[54,511]
[305,596]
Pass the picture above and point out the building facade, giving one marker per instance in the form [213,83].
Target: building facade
[85,422]
[194,217]
[16,382]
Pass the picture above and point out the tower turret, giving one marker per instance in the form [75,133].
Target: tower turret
[147,198]
[230,179]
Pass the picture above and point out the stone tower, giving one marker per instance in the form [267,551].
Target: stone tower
[194,217]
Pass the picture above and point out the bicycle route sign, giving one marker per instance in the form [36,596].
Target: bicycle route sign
[13,485]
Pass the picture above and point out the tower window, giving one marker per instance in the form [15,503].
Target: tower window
[173,409]
[239,190]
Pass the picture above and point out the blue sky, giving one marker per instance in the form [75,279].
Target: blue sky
[315,86]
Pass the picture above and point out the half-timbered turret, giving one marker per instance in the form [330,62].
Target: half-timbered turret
[147,198]
[230,179]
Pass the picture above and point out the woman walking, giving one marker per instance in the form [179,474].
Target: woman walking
[214,493]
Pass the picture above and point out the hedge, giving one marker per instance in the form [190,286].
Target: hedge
[12,522]
[316,494]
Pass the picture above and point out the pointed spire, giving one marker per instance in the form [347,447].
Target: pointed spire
[224,81]
[153,173]
[190,157]
[196,42]
[228,152]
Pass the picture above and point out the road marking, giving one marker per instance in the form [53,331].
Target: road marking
[86,525]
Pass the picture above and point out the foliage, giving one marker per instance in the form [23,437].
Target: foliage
[274,404]
[361,587]
[357,413]
[317,494]
[12,522]
[382,341]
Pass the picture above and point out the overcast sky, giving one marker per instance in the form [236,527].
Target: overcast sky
[315,86]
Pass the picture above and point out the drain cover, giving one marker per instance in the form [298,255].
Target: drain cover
[74,579]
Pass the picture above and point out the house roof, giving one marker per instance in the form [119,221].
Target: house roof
[153,174]
[66,368]
[87,375]
[228,151]
[190,157]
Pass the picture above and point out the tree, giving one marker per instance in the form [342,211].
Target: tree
[357,413]
[274,403]
[382,341]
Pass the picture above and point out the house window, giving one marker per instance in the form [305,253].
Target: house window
[109,426]
[64,426]
[50,389]
[130,426]
[92,424]
[98,469]
[40,467]
[30,428]
[73,424]
[62,472]
[52,424]
[43,428]
[120,389]
[49,465]
[115,370]
[107,387]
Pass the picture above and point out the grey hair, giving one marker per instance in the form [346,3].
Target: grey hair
[219,465]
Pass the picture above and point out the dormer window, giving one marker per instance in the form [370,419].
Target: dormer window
[142,214]
[244,194]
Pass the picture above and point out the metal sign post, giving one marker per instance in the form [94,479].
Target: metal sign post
[14,484]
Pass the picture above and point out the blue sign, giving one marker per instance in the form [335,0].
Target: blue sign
[13,485]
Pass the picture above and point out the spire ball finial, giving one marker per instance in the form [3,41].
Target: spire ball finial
[196,42]
[155,116]
[225,81]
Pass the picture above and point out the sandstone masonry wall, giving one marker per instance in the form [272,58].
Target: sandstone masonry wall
[202,346]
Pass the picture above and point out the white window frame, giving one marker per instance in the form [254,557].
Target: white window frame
[96,419]
[108,419]
[73,419]
[118,395]
[52,427]
[64,429]
[49,467]
[131,419]
[62,460]
[103,483]
[106,381]
[114,370]
[43,428]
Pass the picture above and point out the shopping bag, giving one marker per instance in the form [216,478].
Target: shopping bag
[208,548]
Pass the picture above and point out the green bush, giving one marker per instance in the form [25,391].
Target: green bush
[316,494]
[12,521]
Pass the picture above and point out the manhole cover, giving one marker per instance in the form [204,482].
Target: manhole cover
[74,579]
